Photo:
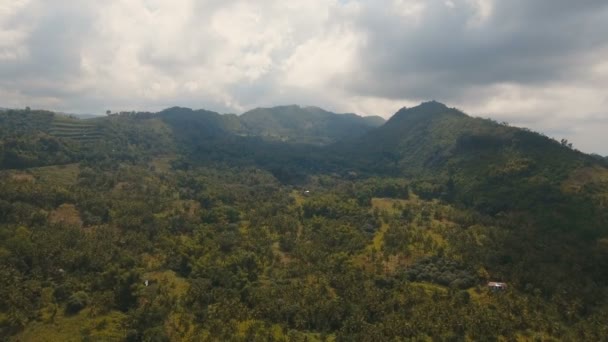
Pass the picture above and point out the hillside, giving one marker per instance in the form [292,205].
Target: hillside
[431,137]
[191,225]
[306,124]
[470,156]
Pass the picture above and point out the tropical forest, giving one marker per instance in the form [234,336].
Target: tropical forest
[294,223]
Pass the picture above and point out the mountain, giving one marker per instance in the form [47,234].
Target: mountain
[494,168]
[293,223]
[433,137]
[306,124]
[199,124]
[200,134]
[471,153]
[374,120]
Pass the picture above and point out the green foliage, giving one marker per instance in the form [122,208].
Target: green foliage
[76,302]
[310,125]
[187,225]
[441,271]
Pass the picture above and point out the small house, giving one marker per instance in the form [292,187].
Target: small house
[497,286]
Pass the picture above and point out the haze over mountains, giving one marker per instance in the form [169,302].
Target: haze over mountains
[289,121]
[297,223]
[285,123]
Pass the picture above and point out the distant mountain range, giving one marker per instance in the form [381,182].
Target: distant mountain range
[294,124]
[306,124]
[291,123]
[79,116]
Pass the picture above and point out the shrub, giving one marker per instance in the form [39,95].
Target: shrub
[77,302]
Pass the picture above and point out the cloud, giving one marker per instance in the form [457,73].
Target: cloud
[441,54]
[536,63]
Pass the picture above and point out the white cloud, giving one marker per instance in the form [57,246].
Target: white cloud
[317,62]
[12,34]
[483,11]
[540,64]
[411,9]
[573,112]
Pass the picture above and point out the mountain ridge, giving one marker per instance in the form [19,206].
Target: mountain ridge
[307,123]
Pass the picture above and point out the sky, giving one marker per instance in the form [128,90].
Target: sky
[541,64]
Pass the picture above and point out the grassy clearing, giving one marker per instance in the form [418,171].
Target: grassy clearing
[63,175]
[592,180]
[479,296]
[66,214]
[299,201]
[427,234]
[64,127]
[583,176]
[246,329]
[177,285]
[430,288]
[78,327]
[22,177]
[298,197]
[389,205]
[283,257]
[162,164]
[378,239]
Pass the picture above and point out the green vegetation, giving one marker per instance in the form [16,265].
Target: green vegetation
[306,124]
[191,226]
[79,130]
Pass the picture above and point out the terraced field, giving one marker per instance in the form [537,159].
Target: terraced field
[79,130]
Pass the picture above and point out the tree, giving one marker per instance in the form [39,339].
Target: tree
[77,302]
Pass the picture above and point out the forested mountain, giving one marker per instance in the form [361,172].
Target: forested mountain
[294,223]
[306,124]
[486,164]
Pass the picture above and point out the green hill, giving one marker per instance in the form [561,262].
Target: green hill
[76,129]
[306,124]
[486,164]
[433,137]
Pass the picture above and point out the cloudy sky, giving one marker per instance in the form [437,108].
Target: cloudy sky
[542,64]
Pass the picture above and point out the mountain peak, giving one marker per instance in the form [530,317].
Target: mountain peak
[433,104]
[427,106]
[424,110]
